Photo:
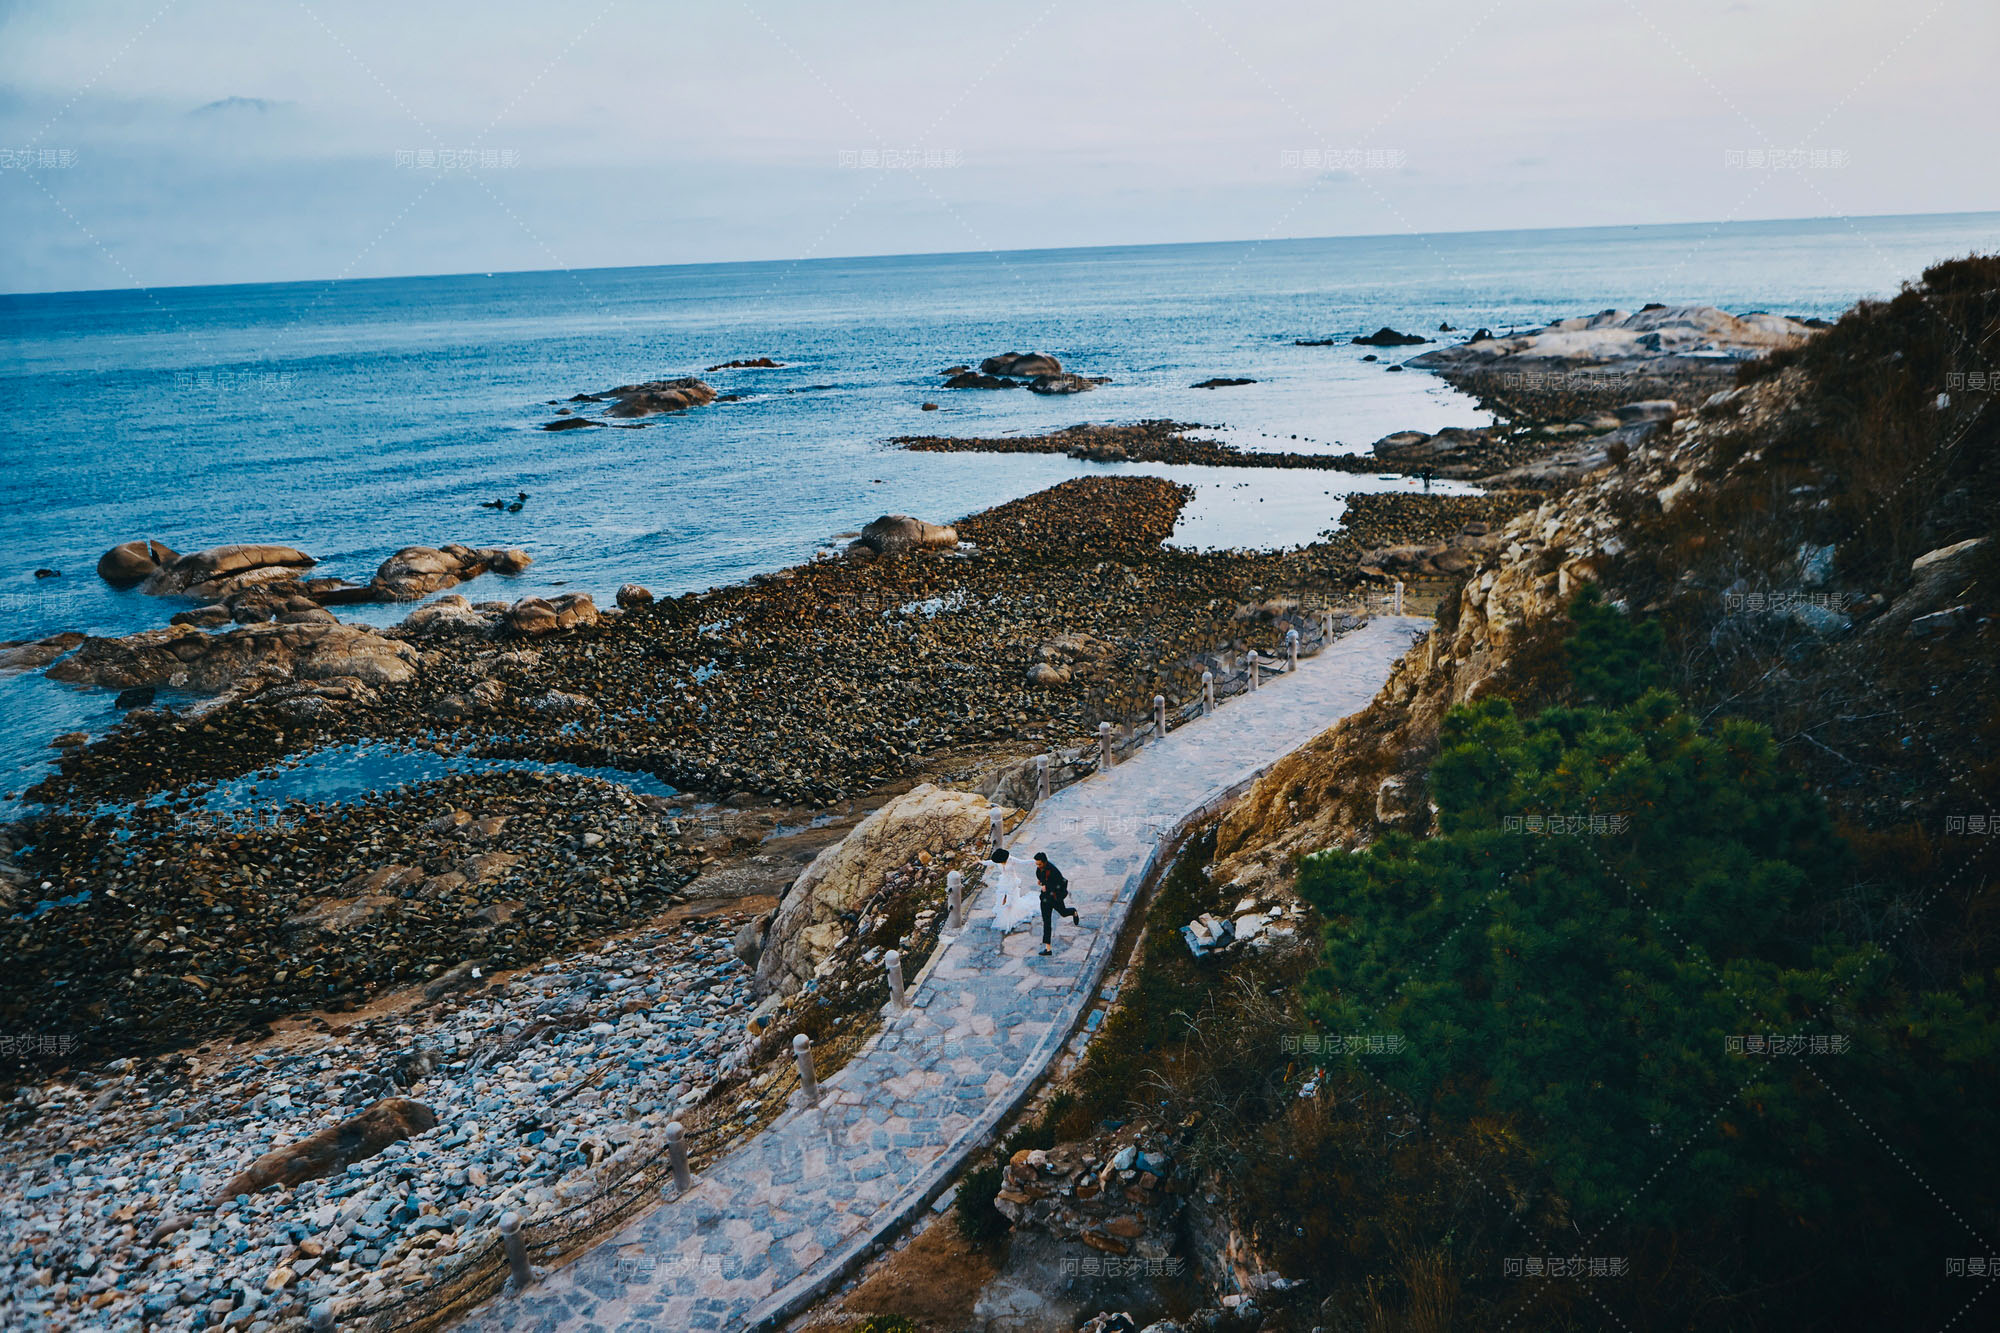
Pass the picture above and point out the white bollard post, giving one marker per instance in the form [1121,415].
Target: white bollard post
[1041,777]
[677,1153]
[1256,672]
[1292,649]
[802,1049]
[893,961]
[1399,597]
[1207,693]
[954,884]
[1329,626]
[999,824]
[1104,745]
[517,1250]
[1160,717]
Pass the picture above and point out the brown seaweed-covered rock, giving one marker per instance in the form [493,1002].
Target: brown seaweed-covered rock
[539,615]
[184,657]
[893,534]
[655,396]
[17,655]
[334,1148]
[213,574]
[1021,365]
[750,363]
[972,379]
[632,595]
[131,563]
[1066,383]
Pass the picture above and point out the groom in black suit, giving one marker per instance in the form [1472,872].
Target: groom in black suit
[1055,897]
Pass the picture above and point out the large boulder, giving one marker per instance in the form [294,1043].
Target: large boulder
[893,534]
[1939,580]
[534,616]
[449,617]
[1388,337]
[1021,365]
[418,571]
[132,563]
[213,574]
[840,879]
[184,657]
[654,396]
[334,1148]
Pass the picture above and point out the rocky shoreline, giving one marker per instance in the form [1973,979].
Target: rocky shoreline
[256,977]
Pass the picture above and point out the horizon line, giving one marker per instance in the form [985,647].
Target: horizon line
[1028,250]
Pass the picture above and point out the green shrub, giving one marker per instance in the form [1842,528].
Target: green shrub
[973,1211]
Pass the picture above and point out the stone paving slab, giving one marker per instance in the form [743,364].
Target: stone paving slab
[771,1227]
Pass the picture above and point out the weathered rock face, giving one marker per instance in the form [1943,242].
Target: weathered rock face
[534,616]
[808,923]
[184,657]
[418,571]
[1021,365]
[354,1139]
[655,396]
[1658,333]
[213,574]
[19,656]
[449,617]
[132,563]
[893,534]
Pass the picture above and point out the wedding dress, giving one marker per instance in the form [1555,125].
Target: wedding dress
[1011,908]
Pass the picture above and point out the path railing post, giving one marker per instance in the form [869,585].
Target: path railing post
[1399,597]
[802,1050]
[1256,672]
[893,961]
[1160,716]
[1104,745]
[1329,625]
[1207,693]
[677,1153]
[954,887]
[1292,650]
[999,822]
[1041,777]
[517,1250]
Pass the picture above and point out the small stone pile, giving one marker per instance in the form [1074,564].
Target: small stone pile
[1117,1193]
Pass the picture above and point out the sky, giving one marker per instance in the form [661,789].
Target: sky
[208,141]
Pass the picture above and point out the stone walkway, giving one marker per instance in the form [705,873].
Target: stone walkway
[766,1231]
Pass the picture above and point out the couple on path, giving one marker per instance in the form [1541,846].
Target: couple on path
[1011,907]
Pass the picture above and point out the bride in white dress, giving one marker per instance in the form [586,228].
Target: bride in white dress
[1011,908]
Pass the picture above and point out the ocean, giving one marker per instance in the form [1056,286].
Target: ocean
[353,418]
